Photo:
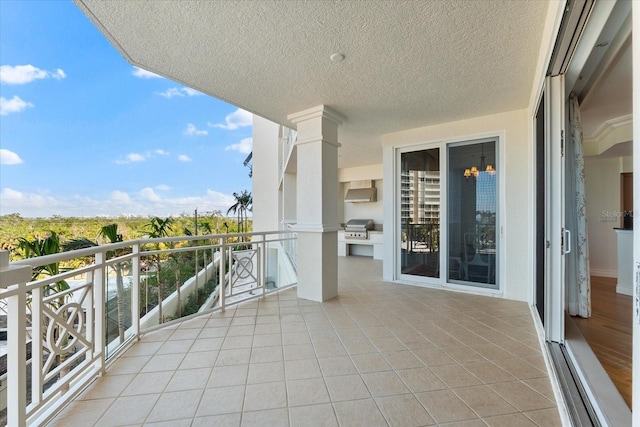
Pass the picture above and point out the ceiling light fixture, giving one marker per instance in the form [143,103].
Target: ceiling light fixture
[337,57]
[474,171]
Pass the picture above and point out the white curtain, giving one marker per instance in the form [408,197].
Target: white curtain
[577,262]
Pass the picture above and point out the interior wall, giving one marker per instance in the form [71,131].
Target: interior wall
[515,129]
[602,189]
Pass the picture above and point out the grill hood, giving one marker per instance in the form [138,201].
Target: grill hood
[361,192]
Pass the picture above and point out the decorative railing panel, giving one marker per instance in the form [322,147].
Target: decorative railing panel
[80,319]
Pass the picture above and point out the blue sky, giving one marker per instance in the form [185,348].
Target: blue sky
[84,133]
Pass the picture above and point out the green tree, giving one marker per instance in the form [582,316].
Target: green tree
[108,233]
[157,228]
[243,205]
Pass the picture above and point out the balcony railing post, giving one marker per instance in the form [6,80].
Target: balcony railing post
[37,342]
[15,279]
[262,258]
[223,271]
[135,290]
[100,311]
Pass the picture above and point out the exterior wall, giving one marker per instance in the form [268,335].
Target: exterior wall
[602,181]
[266,174]
[515,130]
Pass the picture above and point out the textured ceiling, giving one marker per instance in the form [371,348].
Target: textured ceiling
[408,64]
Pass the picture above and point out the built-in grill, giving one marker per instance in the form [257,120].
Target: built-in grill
[358,229]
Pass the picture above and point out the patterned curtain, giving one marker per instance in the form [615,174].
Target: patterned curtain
[577,261]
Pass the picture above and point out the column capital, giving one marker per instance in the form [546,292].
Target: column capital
[321,111]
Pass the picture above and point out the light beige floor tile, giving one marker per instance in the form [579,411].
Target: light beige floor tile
[455,376]
[266,354]
[293,327]
[107,386]
[267,340]
[186,422]
[357,413]
[265,372]
[376,331]
[239,356]
[420,379]
[184,334]
[520,369]
[293,338]
[158,335]
[492,352]
[347,387]
[404,410]
[403,359]
[542,386]
[384,383]
[163,362]
[484,401]
[299,351]
[522,396]
[175,405]
[199,359]
[414,342]
[144,348]
[265,396]
[510,420]
[433,356]
[129,365]
[236,342]
[81,412]
[488,372]
[545,417]
[313,416]
[128,410]
[271,417]
[175,346]
[221,400]
[388,344]
[189,379]
[240,330]
[467,423]
[444,406]
[241,321]
[464,354]
[148,383]
[222,376]
[372,362]
[226,420]
[207,344]
[307,392]
[301,369]
[339,365]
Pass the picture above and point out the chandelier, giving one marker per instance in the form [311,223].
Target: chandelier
[475,171]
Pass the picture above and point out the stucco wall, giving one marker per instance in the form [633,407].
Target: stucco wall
[514,166]
[265,174]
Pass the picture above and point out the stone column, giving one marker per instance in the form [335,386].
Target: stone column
[317,195]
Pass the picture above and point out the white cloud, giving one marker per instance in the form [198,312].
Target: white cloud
[120,196]
[148,194]
[174,91]
[9,157]
[184,158]
[132,157]
[142,203]
[244,146]
[162,152]
[163,187]
[144,74]
[13,105]
[21,74]
[192,131]
[235,120]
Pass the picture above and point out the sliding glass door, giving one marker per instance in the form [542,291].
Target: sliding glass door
[420,213]
[448,213]
[472,214]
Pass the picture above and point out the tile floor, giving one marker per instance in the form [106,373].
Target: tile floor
[380,354]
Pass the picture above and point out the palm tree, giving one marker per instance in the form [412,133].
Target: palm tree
[243,204]
[157,228]
[110,234]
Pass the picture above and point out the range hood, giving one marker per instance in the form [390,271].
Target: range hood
[361,192]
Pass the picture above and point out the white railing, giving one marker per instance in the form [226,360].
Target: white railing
[80,318]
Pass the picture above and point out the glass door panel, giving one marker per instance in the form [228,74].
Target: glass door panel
[471,212]
[420,213]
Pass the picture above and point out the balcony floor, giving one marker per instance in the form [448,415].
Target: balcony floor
[379,354]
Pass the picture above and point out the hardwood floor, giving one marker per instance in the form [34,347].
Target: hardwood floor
[608,332]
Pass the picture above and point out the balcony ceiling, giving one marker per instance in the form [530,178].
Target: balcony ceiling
[407,64]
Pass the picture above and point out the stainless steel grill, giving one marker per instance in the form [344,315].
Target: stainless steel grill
[358,229]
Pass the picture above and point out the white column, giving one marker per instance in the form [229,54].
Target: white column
[317,194]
